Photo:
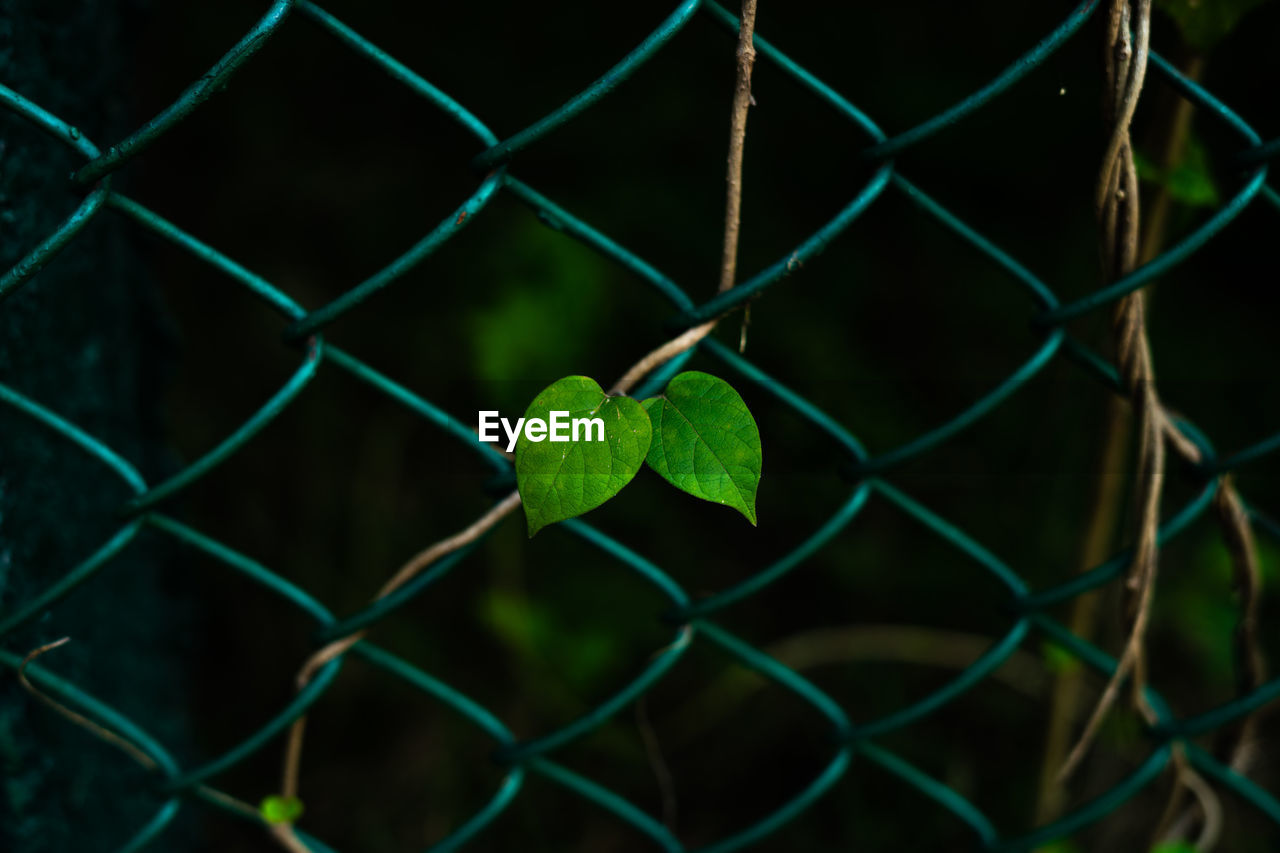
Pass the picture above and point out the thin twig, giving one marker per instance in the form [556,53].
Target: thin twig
[1251,664]
[737,145]
[732,206]
[742,100]
[80,720]
[470,534]
[1237,742]
[661,355]
[415,564]
[227,801]
[1173,827]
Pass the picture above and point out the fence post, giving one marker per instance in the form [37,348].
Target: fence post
[81,339]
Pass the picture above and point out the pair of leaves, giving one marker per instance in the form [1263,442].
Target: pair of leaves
[699,436]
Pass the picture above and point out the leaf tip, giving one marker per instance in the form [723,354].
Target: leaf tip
[530,522]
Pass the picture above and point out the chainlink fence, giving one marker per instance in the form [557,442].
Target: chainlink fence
[854,745]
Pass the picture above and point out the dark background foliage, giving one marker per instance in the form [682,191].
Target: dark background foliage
[313,170]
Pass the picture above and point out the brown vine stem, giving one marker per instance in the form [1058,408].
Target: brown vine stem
[79,719]
[732,206]
[1237,745]
[660,356]
[1118,215]
[1117,208]
[648,363]
[415,564]
[1117,203]
[1210,808]
[737,145]
[1172,135]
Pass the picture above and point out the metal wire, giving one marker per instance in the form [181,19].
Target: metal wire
[694,621]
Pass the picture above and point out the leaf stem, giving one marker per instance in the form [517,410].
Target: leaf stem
[732,206]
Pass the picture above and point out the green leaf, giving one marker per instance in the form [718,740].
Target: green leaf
[276,809]
[705,441]
[561,479]
[1204,23]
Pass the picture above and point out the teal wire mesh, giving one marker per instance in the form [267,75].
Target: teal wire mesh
[693,621]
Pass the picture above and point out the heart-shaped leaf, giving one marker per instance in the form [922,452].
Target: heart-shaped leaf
[561,479]
[706,442]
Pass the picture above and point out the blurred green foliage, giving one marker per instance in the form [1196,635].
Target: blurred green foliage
[1058,659]
[1188,181]
[541,306]
[537,636]
[1204,23]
